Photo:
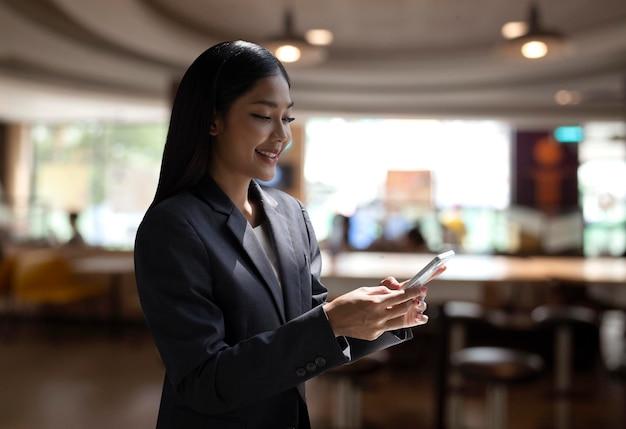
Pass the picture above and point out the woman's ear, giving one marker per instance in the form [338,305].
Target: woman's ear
[216,126]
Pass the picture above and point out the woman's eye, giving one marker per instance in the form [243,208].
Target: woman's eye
[286,120]
[262,117]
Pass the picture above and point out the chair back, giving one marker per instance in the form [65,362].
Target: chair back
[37,273]
[6,275]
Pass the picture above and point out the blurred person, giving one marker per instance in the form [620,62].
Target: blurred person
[228,271]
[76,238]
[454,229]
[414,240]
[339,239]
[411,241]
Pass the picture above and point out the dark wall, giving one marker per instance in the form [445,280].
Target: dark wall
[544,173]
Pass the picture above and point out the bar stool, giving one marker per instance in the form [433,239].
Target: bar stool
[563,320]
[348,384]
[457,318]
[497,368]
[613,353]
[613,342]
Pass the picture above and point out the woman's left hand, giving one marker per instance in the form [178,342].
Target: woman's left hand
[415,315]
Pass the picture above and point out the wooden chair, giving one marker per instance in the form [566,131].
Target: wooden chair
[43,278]
[6,299]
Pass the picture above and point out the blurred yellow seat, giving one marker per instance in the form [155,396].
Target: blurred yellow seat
[45,277]
[6,298]
[6,274]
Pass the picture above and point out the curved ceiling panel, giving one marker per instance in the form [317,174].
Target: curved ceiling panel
[392,57]
[136,27]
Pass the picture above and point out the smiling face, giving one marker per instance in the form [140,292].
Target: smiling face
[248,141]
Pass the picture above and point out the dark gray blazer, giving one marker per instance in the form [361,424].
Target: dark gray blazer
[237,345]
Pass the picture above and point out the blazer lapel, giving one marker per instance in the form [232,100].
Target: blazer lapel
[280,228]
[260,260]
[211,193]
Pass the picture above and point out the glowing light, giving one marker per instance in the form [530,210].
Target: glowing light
[319,37]
[534,49]
[565,97]
[288,53]
[514,29]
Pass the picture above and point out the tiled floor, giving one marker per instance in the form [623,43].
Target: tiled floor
[83,379]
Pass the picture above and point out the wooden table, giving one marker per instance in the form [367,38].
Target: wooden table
[115,265]
[471,277]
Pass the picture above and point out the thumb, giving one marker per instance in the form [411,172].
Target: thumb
[391,283]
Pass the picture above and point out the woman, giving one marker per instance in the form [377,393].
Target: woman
[228,271]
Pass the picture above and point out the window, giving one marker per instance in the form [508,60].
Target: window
[385,174]
[349,165]
[106,172]
[602,184]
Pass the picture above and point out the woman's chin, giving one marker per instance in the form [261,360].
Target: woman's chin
[266,177]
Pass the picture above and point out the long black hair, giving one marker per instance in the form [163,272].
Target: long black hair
[219,76]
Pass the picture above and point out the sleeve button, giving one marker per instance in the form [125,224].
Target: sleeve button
[311,367]
[300,372]
[320,362]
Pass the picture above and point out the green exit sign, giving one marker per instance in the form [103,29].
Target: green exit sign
[568,134]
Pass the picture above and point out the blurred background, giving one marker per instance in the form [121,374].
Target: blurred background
[413,109]
[493,127]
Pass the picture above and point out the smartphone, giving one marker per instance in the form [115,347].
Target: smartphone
[430,269]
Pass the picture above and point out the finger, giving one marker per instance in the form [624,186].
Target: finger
[407,321]
[416,306]
[437,273]
[409,315]
[416,314]
[391,283]
[423,291]
[381,290]
[405,295]
[420,319]
[406,309]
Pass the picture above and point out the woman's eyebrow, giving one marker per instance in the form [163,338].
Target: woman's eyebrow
[271,104]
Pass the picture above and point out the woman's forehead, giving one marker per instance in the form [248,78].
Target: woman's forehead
[272,91]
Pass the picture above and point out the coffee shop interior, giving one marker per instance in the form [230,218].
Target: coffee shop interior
[495,128]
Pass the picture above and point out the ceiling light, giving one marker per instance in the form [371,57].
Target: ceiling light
[534,49]
[533,43]
[288,53]
[293,49]
[514,29]
[319,37]
[566,97]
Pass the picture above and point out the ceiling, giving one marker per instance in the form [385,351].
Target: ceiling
[119,59]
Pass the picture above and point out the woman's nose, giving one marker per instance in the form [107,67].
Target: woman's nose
[282,132]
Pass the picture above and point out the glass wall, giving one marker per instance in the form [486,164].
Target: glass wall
[602,184]
[450,179]
[106,173]
[388,176]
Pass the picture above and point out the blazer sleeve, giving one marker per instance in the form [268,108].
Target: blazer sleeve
[353,348]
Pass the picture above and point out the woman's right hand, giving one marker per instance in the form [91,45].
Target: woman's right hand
[367,312]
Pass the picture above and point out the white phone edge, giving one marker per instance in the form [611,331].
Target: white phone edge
[434,263]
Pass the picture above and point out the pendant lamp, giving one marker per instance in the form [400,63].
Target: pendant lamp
[536,42]
[292,49]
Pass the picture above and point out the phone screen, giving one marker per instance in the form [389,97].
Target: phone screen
[425,274]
